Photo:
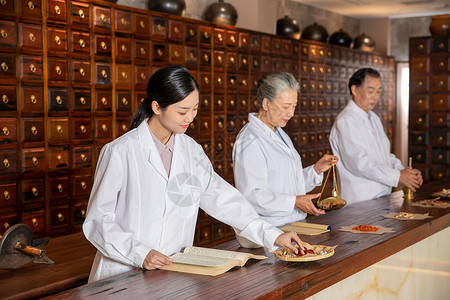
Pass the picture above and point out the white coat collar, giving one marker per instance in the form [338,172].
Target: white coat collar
[361,113]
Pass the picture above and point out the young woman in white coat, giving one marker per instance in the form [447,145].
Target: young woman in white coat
[268,170]
[150,182]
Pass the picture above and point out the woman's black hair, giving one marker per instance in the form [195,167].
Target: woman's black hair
[167,86]
[359,76]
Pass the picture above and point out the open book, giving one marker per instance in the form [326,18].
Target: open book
[207,261]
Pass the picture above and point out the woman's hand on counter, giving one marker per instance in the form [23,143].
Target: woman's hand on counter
[155,260]
[304,203]
[286,239]
[325,163]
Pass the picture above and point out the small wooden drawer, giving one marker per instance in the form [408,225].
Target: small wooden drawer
[80,42]
[124,101]
[58,158]
[204,80]
[82,156]
[36,221]
[266,64]
[440,156]
[57,40]
[219,103]
[59,187]
[276,46]
[255,42]
[8,161]
[58,129]
[103,128]
[192,130]
[243,102]
[82,129]
[122,21]
[58,99]
[441,44]
[79,213]
[220,38]
[159,27]
[205,34]
[218,231]
[191,35]
[243,63]
[219,59]
[142,75]
[8,34]
[102,17]
[159,52]
[30,9]
[31,68]
[205,57]
[266,44]
[57,70]
[244,41]
[176,54]
[219,123]
[255,64]
[219,81]
[419,84]
[205,104]
[33,160]
[232,103]
[141,25]
[124,74]
[122,126]
[419,138]
[139,97]
[439,173]
[80,14]
[59,216]
[103,100]
[33,190]
[204,234]
[102,45]
[419,46]
[32,100]
[8,100]
[440,102]
[420,65]
[286,47]
[8,195]
[440,83]
[56,11]
[419,155]
[102,73]
[175,30]
[219,167]
[8,9]
[440,137]
[33,129]
[81,184]
[441,63]
[30,36]
[8,130]
[440,119]
[123,48]
[81,71]
[205,126]
[232,82]
[232,61]
[142,51]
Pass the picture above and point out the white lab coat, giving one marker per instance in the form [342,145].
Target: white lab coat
[269,172]
[366,168]
[134,207]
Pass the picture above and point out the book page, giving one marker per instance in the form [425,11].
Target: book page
[200,260]
[217,253]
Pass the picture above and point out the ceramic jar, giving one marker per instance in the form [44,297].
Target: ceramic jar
[315,32]
[364,42]
[222,13]
[174,7]
[288,27]
[440,25]
[340,38]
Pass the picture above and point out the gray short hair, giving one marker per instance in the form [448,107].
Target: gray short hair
[275,83]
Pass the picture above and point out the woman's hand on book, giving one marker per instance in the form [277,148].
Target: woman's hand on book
[155,260]
[285,240]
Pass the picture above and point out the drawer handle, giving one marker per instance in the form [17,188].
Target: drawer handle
[206,35]
[6,163]
[420,65]
[160,52]
[60,217]
[123,48]
[244,102]
[440,139]
[232,60]
[104,128]
[33,68]
[441,101]
[59,158]
[35,191]
[123,21]
[219,59]
[205,125]
[232,82]
[419,157]
[103,45]
[81,43]
[124,101]
[219,146]
[104,74]
[143,77]
[219,102]
[176,29]
[219,37]
[244,61]
[205,102]
[3,2]
[4,33]
[83,185]
[219,80]
[232,123]
[441,120]
[34,222]
[30,5]
[58,70]
[57,10]
[233,39]
[160,27]
[124,75]
[420,47]
[192,125]
[419,120]
[440,157]
[142,24]
[441,46]
[191,33]
[321,70]
[103,18]
[32,37]
[244,82]
[34,130]
[5,99]
[59,129]
[206,79]
[206,58]
[83,128]
[176,53]
[5,131]
[83,213]
[143,51]
[232,104]
[60,188]
[35,161]
[82,72]
[244,40]
[277,46]
[57,40]
[59,100]
[81,14]
[219,167]
[6,195]
[205,146]
[4,66]
[83,101]
[441,64]
[441,83]
[124,127]
[256,63]
[420,83]
[104,101]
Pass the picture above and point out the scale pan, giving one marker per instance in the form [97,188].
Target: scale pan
[331,203]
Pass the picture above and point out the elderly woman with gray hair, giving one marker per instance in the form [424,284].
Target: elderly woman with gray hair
[268,170]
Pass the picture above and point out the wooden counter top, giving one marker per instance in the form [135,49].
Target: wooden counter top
[274,279]
[73,256]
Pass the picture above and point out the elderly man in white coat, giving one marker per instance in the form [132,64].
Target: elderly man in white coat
[268,170]
[366,167]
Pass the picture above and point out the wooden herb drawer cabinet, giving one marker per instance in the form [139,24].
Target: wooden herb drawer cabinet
[429,138]
[73,72]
